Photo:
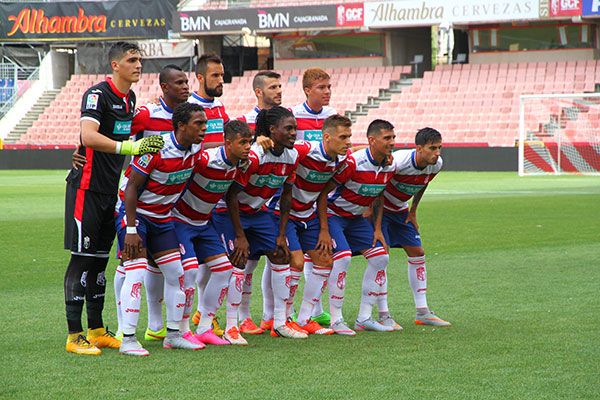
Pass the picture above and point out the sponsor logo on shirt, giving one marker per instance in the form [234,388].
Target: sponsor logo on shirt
[122,127]
[318,177]
[214,125]
[92,102]
[408,189]
[117,107]
[370,190]
[313,135]
[179,176]
[272,181]
[218,186]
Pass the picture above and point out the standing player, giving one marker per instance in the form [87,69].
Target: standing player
[106,114]
[311,113]
[359,183]
[210,72]
[318,161]
[267,89]
[155,119]
[251,231]
[199,240]
[151,186]
[414,170]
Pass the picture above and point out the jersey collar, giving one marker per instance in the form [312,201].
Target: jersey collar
[114,88]
[202,99]
[323,152]
[372,160]
[413,161]
[164,105]
[310,110]
[276,154]
[257,110]
[224,156]
[174,139]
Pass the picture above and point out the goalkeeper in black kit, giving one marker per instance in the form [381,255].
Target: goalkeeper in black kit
[106,114]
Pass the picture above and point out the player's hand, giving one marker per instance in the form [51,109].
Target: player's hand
[281,243]
[324,244]
[150,144]
[265,142]
[77,159]
[132,246]
[378,237]
[241,250]
[412,218]
[369,213]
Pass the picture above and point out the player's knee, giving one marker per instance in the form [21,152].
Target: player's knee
[297,261]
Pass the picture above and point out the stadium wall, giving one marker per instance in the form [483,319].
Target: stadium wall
[455,158]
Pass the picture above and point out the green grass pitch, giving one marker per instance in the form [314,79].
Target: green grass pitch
[513,263]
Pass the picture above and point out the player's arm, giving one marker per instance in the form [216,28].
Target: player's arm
[412,214]
[133,246]
[241,247]
[92,138]
[377,216]
[78,160]
[324,243]
[285,205]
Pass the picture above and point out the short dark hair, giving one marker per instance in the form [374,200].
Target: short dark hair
[164,72]
[183,113]
[427,135]
[270,117]
[119,49]
[259,79]
[376,126]
[237,127]
[203,62]
[331,123]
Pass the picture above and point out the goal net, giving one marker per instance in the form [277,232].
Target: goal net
[559,134]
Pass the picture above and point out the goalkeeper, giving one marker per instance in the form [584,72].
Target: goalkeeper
[106,114]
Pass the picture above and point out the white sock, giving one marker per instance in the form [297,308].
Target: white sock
[417,277]
[118,284]
[202,277]
[172,270]
[131,293]
[280,282]
[154,283]
[308,267]
[373,280]
[215,291]
[190,272]
[234,296]
[337,283]
[247,289]
[294,281]
[313,289]
[267,291]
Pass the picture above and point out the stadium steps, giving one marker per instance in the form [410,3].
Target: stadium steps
[384,95]
[27,121]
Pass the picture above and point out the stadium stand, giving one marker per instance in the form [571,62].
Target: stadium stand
[472,104]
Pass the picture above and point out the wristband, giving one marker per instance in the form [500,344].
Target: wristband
[131,230]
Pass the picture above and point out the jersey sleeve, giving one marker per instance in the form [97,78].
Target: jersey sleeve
[244,173]
[93,105]
[202,162]
[302,147]
[141,118]
[345,171]
[145,163]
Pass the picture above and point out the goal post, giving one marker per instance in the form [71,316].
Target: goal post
[559,134]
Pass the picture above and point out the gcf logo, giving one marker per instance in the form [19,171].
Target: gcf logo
[293,289]
[238,283]
[181,283]
[83,279]
[350,14]
[135,290]
[380,278]
[248,280]
[189,297]
[288,281]
[222,296]
[341,282]
[182,249]
[421,274]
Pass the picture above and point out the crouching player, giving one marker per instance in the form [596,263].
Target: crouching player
[249,229]
[414,170]
[199,240]
[359,183]
[151,186]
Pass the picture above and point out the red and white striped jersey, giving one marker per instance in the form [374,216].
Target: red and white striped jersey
[216,116]
[315,169]
[250,118]
[408,180]
[267,172]
[310,122]
[213,175]
[152,119]
[361,180]
[167,173]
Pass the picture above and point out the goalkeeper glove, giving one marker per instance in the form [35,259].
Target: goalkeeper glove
[150,144]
